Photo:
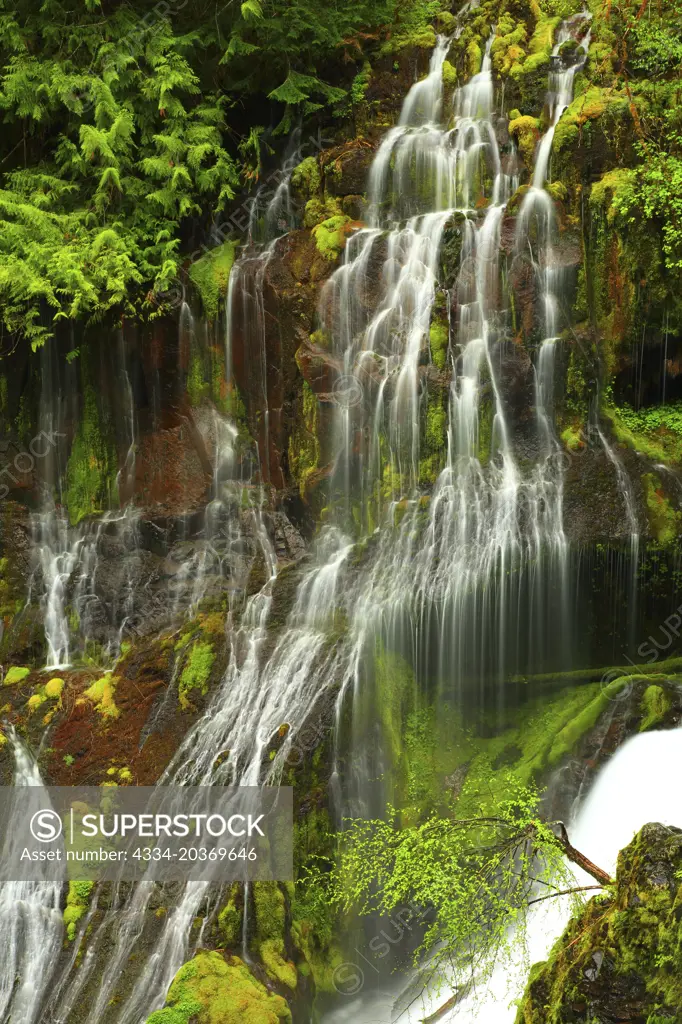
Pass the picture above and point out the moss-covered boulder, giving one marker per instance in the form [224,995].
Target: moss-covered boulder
[213,990]
[621,958]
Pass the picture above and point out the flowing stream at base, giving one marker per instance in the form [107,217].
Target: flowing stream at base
[638,785]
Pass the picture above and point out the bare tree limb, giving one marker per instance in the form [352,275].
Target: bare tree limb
[564,892]
[580,859]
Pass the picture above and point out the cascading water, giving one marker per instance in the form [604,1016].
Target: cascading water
[31,924]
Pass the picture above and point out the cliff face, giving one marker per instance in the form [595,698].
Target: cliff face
[620,959]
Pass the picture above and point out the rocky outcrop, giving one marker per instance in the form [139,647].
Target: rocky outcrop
[620,959]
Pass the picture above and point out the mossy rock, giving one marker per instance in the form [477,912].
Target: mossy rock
[330,237]
[623,952]
[306,178]
[15,675]
[526,131]
[210,276]
[211,989]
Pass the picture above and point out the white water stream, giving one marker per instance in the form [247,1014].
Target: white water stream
[31,924]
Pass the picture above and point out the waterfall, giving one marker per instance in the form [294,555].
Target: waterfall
[463,524]
[30,922]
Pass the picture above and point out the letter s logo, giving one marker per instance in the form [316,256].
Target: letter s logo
[46,826]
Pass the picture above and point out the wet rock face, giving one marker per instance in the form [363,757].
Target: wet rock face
[620,960]
[172,471]
[346,169]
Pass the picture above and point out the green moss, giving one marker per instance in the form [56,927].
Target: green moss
[530,76]
[77,901]
[664,521]
[542,39]
[197,386]
[526,131]
[197,671]
[101,694]
[319,210]
[360,84]
[306,178]
[589,106]
[91,469]
[210,276]
[213,990]
[609,187]
[474,58]
[330,236]
[624,943]
[270,912]
[557,191]
[230,920]
[439,339]
[54,688]
[486,416]
[449,74]
[568,736]
[304,445]
[656,432]
[655,706]
[507,47]
[537,738]
[276,967]
[15,675]
[572,437]
[35,701]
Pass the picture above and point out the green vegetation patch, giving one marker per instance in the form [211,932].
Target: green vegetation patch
[210,276]
[330,236]
[15,675]
[211,989]
[655,431]
[77,901]
[197,671]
